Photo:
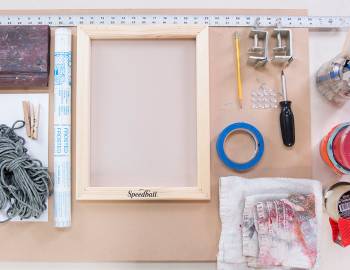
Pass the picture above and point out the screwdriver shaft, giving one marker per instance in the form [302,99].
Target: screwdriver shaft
[284,89]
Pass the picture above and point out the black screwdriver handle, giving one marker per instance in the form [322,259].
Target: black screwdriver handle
[287,123]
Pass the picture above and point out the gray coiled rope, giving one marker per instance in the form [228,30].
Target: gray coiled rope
[25,183]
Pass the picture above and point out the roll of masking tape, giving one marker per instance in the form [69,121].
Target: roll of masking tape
[341,147]
[337,201]
[324,153]
[259,146]
[330,152]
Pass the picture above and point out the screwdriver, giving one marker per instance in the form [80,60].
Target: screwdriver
[286,116]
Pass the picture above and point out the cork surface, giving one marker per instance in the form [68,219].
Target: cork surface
[179,231]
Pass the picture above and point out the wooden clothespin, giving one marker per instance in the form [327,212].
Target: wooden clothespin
[31,119]
[26,112]
[36,112]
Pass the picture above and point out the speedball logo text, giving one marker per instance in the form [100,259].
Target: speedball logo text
[142,193]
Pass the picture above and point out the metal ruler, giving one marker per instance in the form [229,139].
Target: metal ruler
[211,20]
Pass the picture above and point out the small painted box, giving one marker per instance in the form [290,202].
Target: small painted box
[24,56]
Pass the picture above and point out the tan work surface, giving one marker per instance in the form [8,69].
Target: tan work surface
[179,231]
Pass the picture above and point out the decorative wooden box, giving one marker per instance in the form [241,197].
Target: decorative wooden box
[24,56]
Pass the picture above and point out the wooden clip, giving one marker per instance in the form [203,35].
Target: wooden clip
[31,119]
[36,112]
[31,110]
[27,120]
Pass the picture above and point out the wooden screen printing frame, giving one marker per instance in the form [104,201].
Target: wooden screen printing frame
[85,34]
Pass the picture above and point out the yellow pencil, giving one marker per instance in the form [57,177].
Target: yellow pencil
[238,73]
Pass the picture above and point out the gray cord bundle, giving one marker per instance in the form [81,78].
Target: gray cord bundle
[25,184]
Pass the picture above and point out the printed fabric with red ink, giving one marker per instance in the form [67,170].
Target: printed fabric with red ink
[286,232]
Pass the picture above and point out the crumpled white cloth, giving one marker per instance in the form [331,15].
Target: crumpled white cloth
[233,190]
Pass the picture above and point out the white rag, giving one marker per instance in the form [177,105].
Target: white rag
[233,191]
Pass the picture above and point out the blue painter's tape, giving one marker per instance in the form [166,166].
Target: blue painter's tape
[259,141]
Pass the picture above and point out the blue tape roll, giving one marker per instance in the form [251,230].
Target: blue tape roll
[254,132]
[330,148]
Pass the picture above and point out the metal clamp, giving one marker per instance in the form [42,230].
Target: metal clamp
[283,52]
[258,55]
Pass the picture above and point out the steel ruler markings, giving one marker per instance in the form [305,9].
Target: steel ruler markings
[211,20]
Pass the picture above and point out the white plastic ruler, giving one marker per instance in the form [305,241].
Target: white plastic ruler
[211,20]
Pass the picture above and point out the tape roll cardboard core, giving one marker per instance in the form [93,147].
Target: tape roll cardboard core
[240,146]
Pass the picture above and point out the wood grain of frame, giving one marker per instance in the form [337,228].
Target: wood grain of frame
[84,190]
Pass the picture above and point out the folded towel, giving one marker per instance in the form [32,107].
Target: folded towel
[233,192]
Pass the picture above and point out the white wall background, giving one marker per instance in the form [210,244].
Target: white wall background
[323,46]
